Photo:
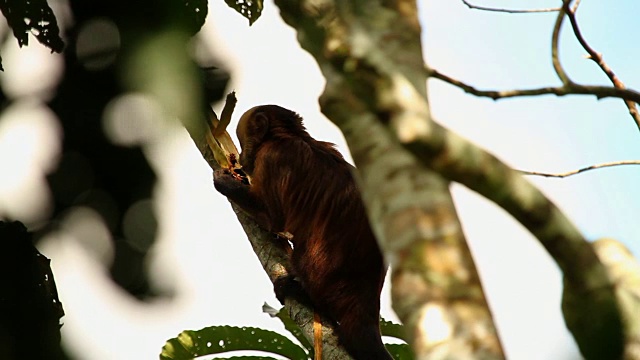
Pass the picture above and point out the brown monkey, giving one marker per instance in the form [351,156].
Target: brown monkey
[305,187]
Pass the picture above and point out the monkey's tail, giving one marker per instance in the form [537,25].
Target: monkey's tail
[317,336]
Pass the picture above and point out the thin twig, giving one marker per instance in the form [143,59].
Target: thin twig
[574,172]
[555,41]
[510,11]
[575,6]
[568,89]
[597,58]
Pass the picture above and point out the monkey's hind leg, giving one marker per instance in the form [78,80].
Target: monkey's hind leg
[360,336]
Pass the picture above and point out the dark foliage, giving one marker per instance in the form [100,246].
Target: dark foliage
[94,171]
[30,310]
[35,17]
[250,9]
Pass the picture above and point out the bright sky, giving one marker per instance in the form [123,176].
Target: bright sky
[202,252]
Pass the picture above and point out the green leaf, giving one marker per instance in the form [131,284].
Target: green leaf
[293,328]
[400,351]
[387,328]
[251,9]
[220,339]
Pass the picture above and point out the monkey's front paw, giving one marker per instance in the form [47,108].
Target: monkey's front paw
[226,175]
[221,174]
[288,287]
[226,183]
[241,176]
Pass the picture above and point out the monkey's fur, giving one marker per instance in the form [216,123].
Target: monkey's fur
[305,187]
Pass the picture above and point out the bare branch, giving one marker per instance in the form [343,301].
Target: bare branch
[510,11]
[575,6]
[555,41]
[409,206]
[593,55]
[568,89]
[578,171]
[379,102]
[597,58]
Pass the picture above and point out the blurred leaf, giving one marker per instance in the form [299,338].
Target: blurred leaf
[220,339]
[293,328]
[400,351]
[251,9]
[194,13]
[36,17]
[246,358]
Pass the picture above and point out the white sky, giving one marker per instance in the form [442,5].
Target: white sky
[202,252]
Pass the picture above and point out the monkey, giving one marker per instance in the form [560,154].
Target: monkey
[305,187]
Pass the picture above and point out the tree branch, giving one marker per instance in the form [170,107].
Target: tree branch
[555,53]
[571,88]
[510,11]
[597,58]
[588,290]
[581,170]
[619,90]
[375,94]
[409,207]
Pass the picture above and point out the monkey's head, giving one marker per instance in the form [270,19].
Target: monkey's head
[262,123]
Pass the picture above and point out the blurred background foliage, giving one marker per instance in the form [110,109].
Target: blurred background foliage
[104,123]
[113,179]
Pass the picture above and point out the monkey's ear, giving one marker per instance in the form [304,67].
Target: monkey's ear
[261,125]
